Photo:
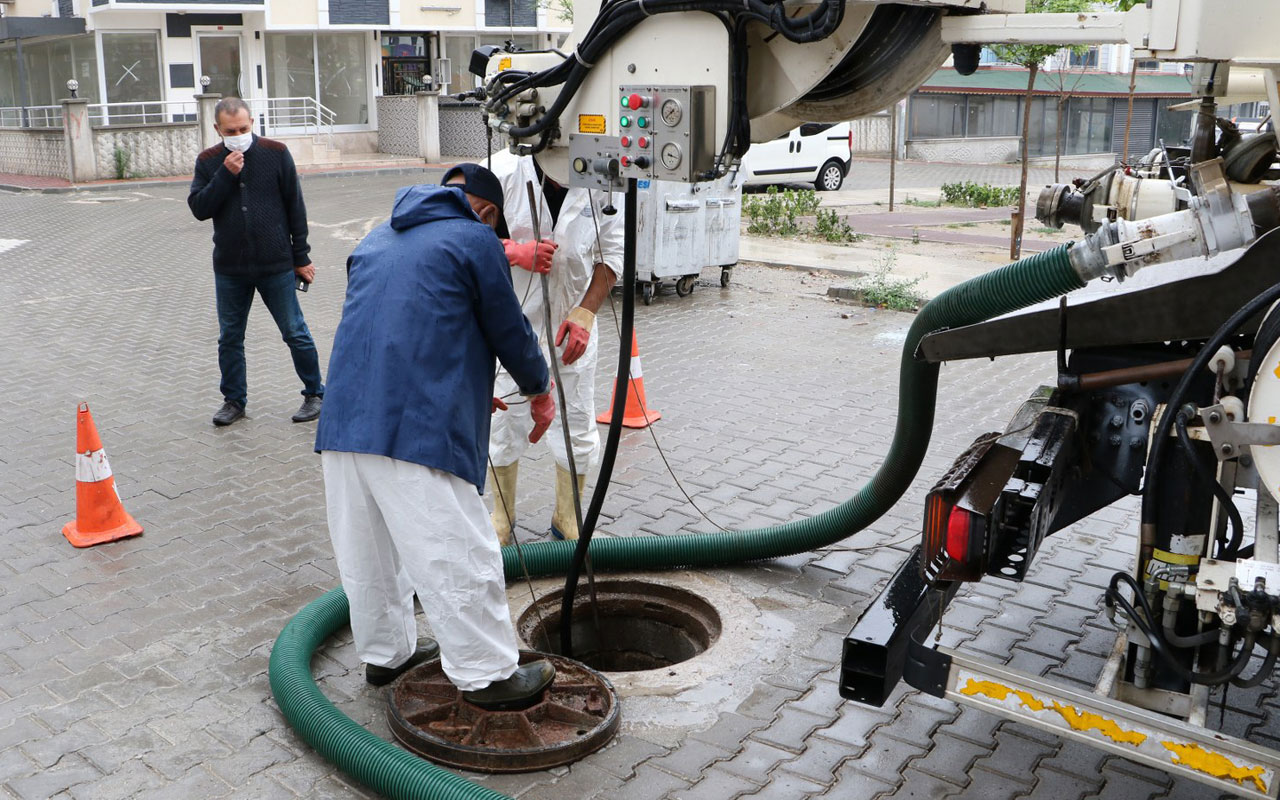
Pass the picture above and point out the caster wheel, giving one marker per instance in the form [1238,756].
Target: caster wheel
[684,286]
[646,294]
[726,275]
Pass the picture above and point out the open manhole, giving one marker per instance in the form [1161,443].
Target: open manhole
[635,626]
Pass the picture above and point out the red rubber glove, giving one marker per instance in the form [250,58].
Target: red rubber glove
[533,256]
[543,410]
[577,329]
[498,405]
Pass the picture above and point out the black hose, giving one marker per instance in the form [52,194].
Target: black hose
[1150,505]
[615,422]
[1264,671]
[1162,648]
[1232,548]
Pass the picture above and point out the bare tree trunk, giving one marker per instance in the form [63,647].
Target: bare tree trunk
[1015,230]
[893,150]
[1133,82]
[1057,153]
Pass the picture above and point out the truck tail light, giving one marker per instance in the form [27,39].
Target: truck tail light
[851,142]
[954,540]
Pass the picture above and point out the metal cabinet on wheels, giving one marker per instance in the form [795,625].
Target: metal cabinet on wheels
[683,228]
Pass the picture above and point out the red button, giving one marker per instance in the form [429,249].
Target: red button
[626,162]
[644,141]
[626,141]
[635,101]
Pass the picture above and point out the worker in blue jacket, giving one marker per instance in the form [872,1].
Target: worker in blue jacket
[404,437]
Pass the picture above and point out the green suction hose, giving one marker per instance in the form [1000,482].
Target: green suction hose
[395,773]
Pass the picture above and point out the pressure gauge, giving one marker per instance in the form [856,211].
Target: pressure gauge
[671,155]
[672,112]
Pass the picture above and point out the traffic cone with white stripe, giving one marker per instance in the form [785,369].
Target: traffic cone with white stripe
[100,516]
[637,413]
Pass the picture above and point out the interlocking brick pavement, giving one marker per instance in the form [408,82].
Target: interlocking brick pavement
[138,669]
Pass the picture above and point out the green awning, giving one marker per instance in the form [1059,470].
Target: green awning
[1013,80]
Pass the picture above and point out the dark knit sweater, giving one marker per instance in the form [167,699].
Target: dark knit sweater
[259,220]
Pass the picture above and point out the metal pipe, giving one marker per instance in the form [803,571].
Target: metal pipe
[1106,379]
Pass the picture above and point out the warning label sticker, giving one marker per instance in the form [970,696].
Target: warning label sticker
[591,123]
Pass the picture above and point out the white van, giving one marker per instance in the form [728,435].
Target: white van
[819,153]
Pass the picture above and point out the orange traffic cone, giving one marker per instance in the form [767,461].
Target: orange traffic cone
[637,414]
[100,517]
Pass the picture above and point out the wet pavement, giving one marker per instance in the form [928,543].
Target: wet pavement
[139,668]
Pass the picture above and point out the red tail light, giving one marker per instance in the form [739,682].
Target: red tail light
[954,540]
[851,141]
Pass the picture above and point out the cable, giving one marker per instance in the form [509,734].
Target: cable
[1268,665]
[1161,647]
[1155,459]
[1232,549]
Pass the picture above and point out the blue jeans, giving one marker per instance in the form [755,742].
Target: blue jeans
[235,297]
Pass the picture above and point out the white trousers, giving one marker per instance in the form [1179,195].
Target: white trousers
[509,430]
[398,527]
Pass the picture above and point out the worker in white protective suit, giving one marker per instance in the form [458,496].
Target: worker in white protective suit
[584,264]
[404,435]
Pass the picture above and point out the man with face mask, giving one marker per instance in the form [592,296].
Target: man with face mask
[249,187]
[403,438]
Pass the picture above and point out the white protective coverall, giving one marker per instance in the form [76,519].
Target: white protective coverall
[381,512]
[571,270]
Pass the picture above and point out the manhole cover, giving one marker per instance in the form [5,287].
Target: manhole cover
[577,716]
[635,626]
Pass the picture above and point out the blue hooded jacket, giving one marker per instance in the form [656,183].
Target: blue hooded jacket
[429,305]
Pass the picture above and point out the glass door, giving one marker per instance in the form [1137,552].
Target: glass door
[219,57]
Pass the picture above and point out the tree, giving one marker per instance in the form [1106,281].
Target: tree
[1031,56]
[1060,78]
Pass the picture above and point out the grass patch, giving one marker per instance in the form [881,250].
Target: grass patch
[881,289]
[963,225]
[915,201]
[978,195]
[775,213]
[1043,229]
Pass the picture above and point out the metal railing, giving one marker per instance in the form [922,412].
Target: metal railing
[31,117]
[271,115]
[147,113]
[274,115]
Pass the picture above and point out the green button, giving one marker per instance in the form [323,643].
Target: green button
[643,122]
[625,104]
[626,122]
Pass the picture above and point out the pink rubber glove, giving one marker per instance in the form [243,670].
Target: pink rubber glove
[576,328]
[533,256]
[497,406]
[543,410]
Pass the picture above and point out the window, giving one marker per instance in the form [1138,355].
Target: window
[937,116]
[131,63]
[510,14]
[992,116]
[48,66]
[329,67]
[1088,125]
[1148,65]
[811,128]
[458,50]
[1172,127]
[1088,59]
[344,77]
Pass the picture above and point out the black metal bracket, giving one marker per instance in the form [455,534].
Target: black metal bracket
[926,668]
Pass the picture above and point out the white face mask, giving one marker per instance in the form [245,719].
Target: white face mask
[240,142]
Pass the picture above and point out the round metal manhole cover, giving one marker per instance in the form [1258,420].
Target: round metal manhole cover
[577,715]
[634,626]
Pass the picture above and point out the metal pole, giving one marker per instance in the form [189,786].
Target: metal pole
[1133,82]
[23,98]
[564,406]
[893,150]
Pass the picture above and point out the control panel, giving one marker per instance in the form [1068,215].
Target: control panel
[663,132]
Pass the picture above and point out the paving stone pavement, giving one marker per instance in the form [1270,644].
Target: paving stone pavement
[138,669]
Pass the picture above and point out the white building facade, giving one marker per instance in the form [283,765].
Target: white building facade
[298,62]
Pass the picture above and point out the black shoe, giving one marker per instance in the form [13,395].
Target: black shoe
[523,689]
[229,413]
[310,408]
[381,676]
